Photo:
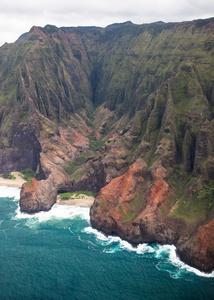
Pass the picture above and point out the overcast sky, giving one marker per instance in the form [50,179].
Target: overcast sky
[17,17]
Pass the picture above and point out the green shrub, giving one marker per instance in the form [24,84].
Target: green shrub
[29,182]
[87,193]
[78,174]
[95,144]
[66,196]
[27,174]
[74,165]
[207,194]
[102,204]
[8,176]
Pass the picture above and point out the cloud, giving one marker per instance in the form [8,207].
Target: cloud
[18,17]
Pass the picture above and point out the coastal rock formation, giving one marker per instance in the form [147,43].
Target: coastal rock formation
[41,195]
[129,206]
[117,200]
[38,196]
[142,214]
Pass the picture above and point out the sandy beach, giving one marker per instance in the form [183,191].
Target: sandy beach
[81,200]
[18,182]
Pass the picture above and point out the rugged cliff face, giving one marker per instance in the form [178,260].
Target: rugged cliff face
[126,111]
[141,208]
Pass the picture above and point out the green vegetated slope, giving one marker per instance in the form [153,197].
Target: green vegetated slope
[160,76]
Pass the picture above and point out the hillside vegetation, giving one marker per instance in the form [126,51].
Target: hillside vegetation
[85,106]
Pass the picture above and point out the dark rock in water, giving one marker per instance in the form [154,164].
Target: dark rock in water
[37,196]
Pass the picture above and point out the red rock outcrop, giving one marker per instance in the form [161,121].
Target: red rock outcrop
[41,195]
[139,211]
[116,199]
[124,207]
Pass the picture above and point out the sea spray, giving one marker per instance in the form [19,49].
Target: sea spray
[57,212]
[10,192]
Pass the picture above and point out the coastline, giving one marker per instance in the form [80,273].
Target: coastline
[87,201]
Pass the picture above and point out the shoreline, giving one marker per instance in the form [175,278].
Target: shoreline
[81,200]
[18,182]
[87,201]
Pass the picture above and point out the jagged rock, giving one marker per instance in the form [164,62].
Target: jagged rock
[114,200]
[41,195]
[138,215]
[37,196]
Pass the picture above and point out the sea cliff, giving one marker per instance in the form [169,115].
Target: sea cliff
[124,111]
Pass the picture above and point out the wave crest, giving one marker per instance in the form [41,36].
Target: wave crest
[10,192]
[166,254]
[57,212]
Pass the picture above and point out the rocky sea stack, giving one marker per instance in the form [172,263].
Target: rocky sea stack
[124,111]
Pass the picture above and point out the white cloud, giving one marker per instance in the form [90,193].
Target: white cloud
[17,17]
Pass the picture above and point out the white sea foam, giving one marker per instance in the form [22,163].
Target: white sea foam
[178,263]
[99,235]
[163,249]
[117,244]
[10,192]
[57,212]
[139,249]
[174,260]
[144,248]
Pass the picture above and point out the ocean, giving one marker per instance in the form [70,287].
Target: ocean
[58,255]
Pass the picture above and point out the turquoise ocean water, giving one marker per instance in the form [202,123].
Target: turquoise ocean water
[57,255]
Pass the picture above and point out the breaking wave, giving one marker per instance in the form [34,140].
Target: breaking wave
[167,260]
[165,255]
[10,192]
[57,212]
